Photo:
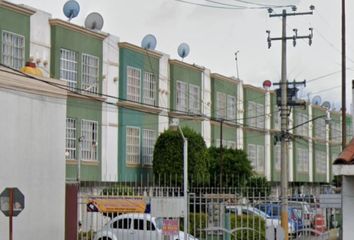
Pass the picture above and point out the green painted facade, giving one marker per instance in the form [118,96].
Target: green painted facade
[317,176]
[300,176]
[78,108]
[253,137]
[15,22]
[228,133]
[134,118]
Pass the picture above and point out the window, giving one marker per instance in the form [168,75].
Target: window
[256,116]
[231,108]
[256,156]
[89,140]
[122,223]
[320,128]
[303,129]
[231,144]
[194,99]
[13,50]
[150,226]
[90,73]
[133,84]
[321,162]
[277,120]
[68,67]
[303,160]
[220,105]
[182,100]
[277,157]
[138,224]
[133,145]
[336,130]
[70,143]
[149,139]
[149,88]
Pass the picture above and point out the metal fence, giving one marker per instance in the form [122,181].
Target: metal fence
[117,211]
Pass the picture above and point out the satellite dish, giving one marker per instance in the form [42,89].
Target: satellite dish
[94,21]
[71,9]
[149,42]
[326,105]
[316,100]
[183,50]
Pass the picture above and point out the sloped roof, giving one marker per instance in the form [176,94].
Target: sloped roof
[347,155]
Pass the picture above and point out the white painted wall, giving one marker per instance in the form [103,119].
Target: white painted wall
[348,207]
[110,81]
[206,106]
[267,140]
[40,40]
[240,115]
[32,146]
[310,145]
[291,151]
[164,92]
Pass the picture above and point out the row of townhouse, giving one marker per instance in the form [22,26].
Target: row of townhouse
[121,97]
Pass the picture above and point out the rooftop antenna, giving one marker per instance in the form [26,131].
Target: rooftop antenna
[94,21]
[316,100]
[71,9]
[149,42]
[326,105]
[183,50]
[236,60]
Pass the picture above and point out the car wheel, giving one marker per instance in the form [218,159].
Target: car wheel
[105,238]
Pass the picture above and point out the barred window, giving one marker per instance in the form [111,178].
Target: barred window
[70,140]
[133,145]
[220,105]
[89,138]
[68,67]
[320,128]
[231,144]
[321,162]
[182,100]
[149,139]
[149,88]
[277,157]
[302,160]
[194,98]
[277,120]
[231,108]
[256,157]
[336,131]
[256,116]
[303,129]
[133,84]
[13,50]
[90,73]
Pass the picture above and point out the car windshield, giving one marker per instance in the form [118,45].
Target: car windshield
[159,223]
[260,213]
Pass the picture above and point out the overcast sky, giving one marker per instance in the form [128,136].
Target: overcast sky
[215,34]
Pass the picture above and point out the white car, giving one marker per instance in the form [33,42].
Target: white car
[135,226]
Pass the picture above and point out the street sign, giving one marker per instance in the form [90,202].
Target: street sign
[14,197]
[170,227]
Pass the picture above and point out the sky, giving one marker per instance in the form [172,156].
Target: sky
[215,34]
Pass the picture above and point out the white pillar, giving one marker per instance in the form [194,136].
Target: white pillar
[240,115]
[109,128]
[310,145]
[267,140]
[348,207]
[328,156]
[40,41]
[206,109]
[164,92]
[291,151]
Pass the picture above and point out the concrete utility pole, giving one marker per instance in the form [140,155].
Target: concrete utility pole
[344,122]
[284,111]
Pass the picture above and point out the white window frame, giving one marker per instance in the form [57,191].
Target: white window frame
[277,157]
[256,156]
[321,162]
[149,96]
[260,114]
[70,139]
[132,145]
[301,118]
[68,67]
[181,96]
[90,73]
[194,98]
[251,116]
[220,105]
[89,140]
[149,139]
[13,51]
[133,84]
[320,128]
[231,108]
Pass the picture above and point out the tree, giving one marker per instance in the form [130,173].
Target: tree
[257,187]
[236,168]
[168,157]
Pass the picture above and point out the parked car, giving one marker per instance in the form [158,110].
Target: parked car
[294,216]
[135,226]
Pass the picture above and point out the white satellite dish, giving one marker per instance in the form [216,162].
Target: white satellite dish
[183,50]
[326,105]
[71,9]
[316,100]
[94,21]
[149,42]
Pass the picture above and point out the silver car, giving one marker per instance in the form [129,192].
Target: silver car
[135,226]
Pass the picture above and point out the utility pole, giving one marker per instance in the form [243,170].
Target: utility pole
[221,153]
[344,122]
[284,110]
[236,60]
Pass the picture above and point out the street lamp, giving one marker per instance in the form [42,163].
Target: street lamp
[174,124]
